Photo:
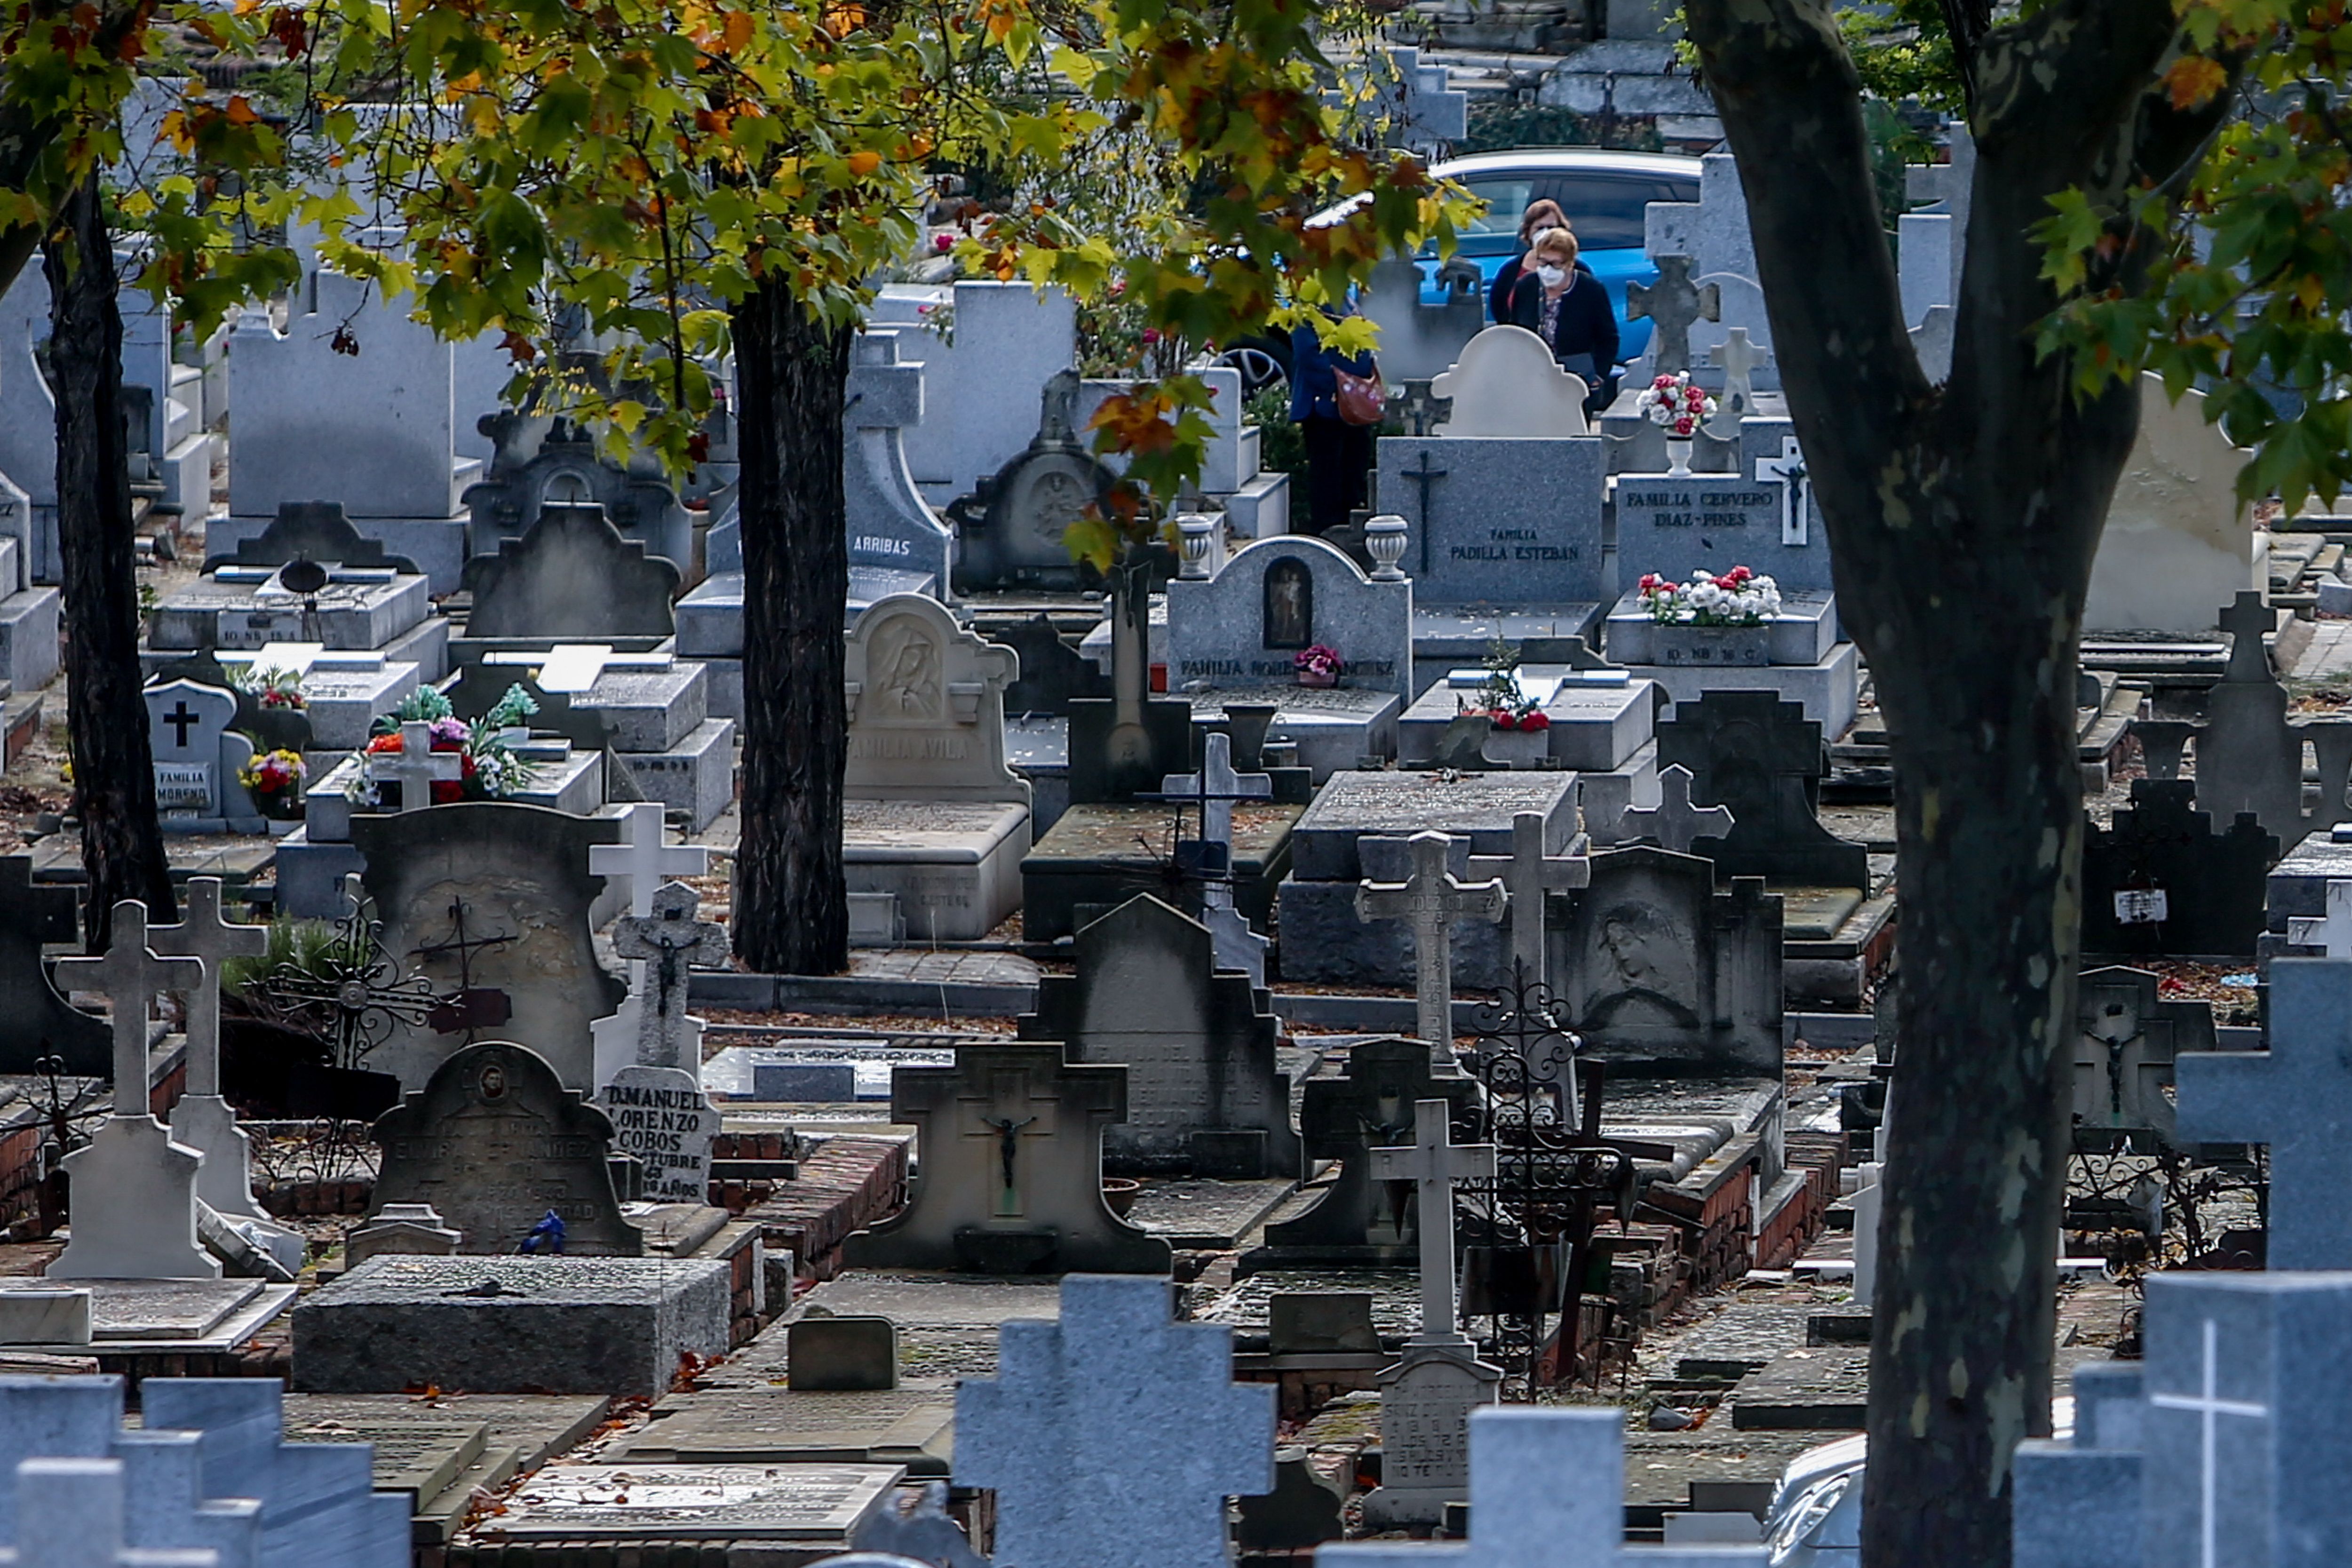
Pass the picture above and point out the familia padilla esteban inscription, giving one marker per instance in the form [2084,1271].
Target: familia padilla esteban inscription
[494,1141]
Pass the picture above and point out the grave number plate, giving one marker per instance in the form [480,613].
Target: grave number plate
[2141,906]
[184,786]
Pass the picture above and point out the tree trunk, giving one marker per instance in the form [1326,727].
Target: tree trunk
[791,905]
[1964,520]
[106,718]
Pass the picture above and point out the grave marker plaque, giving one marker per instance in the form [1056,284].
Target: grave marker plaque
[661,1116]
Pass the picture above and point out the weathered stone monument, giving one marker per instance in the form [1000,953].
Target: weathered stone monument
[1011,1181]
[1204,1093]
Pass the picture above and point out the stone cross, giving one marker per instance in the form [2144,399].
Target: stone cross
[1431,900]
[1737,358]
[2295,1097]
[2332,931]
[1042,1433]
[131,973]
[1789,469]
[1546,1490]
[1674,822]
[1215,787]
[416,767]
[668,939]
[204,932]
[1434,1163]
[644,859]
[1528,874]
[1675,304]
[2206,1405]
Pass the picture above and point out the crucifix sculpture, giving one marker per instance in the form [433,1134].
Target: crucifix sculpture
[668,939]
[1675,304]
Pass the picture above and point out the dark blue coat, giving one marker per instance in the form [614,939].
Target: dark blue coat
[1314,390]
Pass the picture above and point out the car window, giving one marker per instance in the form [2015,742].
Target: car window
[1605,209]
[1507,197]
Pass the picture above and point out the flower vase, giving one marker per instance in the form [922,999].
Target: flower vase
[1318,677]
[1678,455]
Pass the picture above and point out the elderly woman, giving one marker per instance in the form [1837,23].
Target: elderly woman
[1541,214]
[1569,309]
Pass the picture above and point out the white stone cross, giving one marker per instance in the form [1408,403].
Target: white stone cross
[2332,931]
[204,932]
[1546,1490]
[1430,900]
[668,939]
[644,859]
[573,668]
[1215,788]
[2209,1407]
[1434,1163]
[416,767]
[1674,822]
[288,658]
[1737,357]
[1789,469]
[131,973]
[1528,874]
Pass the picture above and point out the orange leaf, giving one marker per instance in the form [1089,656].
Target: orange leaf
[2193,79]
[864,162]
[240,113]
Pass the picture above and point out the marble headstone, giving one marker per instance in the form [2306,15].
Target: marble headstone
[571,574]
[1764,759]
[1277,596]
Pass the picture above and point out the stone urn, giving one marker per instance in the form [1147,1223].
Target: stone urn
[1119,1194]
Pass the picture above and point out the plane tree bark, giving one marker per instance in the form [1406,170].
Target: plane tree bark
[792,907]
[1963,520]
[106,718]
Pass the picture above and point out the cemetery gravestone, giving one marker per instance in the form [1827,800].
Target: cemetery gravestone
[571,575]
[1204,1093]
[1277,597]
[661,1116]
[666,942]
[1530,877]
[1010,1180]
[1676,305]
[202,1119]
[2292,1097]
[1433,900]
[513,875]
[316,531]
[1764,759]
[134,1189]
[841,1353]
[197,759]
[35,1021]
[1506,384]
[1499,520]
[2125,1046]
[406,1229]
[1011,527]
[495,1141]
[2160,880]
[1658,967]
[1047,1433]
[932,814]
[1427,1397]
[895,537]
[1546,1487]
[1680,526]
[642,508]
[1343,1120]
[643,861]
[2248,760]
[1674,823]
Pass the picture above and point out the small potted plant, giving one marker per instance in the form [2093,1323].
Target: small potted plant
[1520,729]
[1712,620]
[274,779]
[1318,665]
[1682,407]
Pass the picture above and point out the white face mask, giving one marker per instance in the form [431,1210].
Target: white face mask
[1551,277]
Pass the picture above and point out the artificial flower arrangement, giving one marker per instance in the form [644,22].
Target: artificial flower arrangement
[274,781]
[1737,598]
[1500,700]
[272,687]
[1672,401]
[487,766]
[1318,662]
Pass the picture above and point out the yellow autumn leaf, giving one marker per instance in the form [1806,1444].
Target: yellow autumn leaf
[2193,79]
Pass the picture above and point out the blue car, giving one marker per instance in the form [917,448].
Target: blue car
[1603,194]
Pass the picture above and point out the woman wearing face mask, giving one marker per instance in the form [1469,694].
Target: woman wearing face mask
[1542,216]
[1568,308]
